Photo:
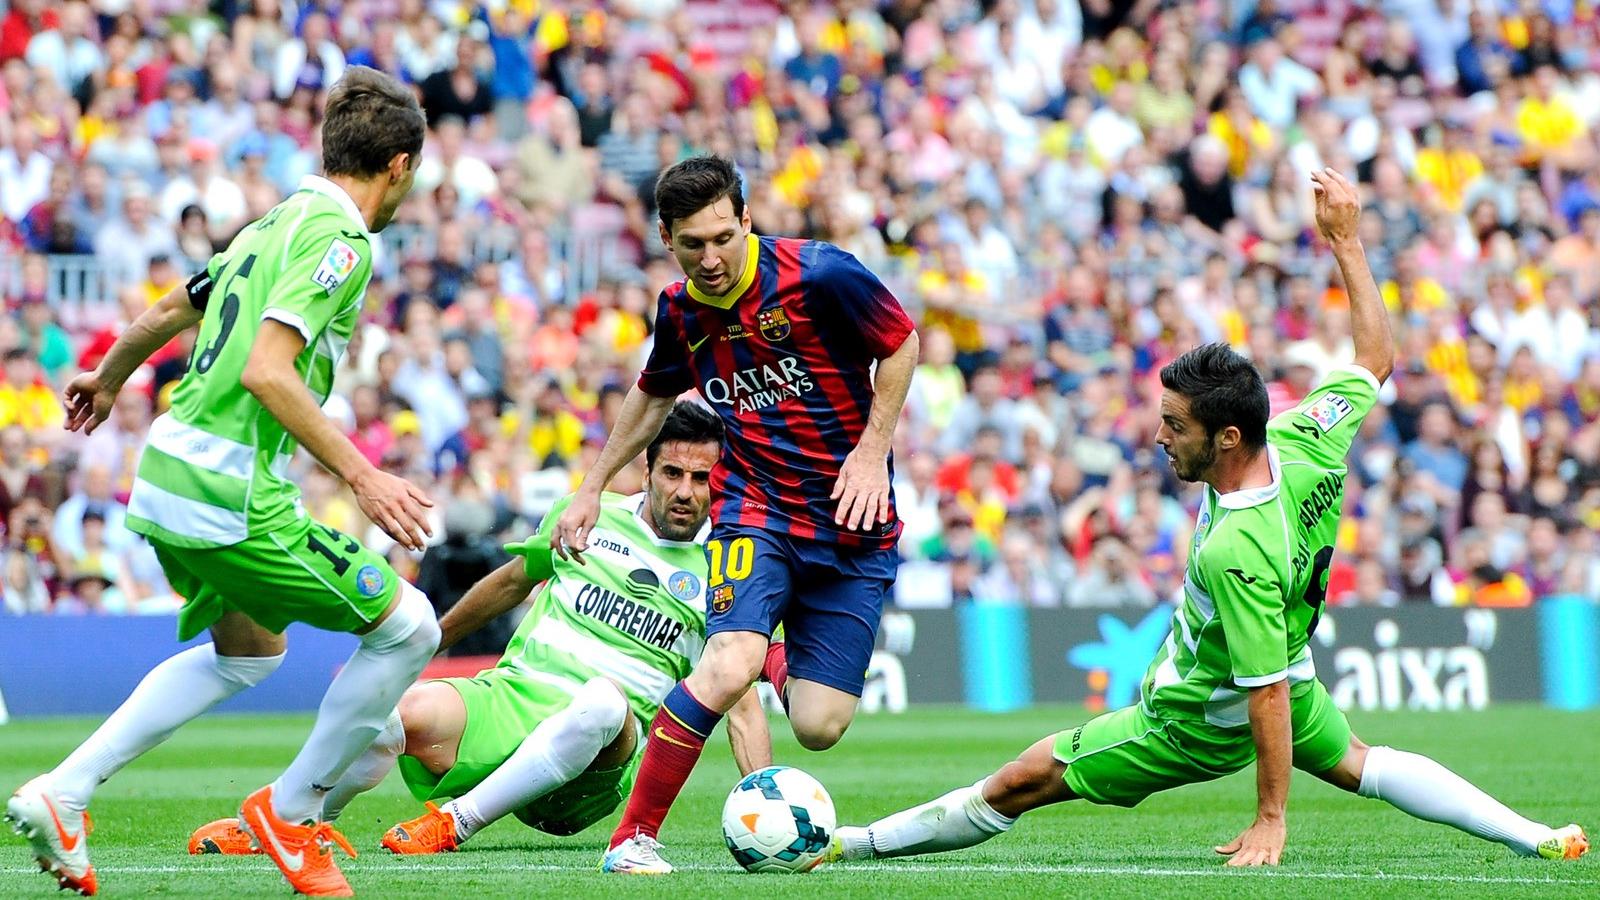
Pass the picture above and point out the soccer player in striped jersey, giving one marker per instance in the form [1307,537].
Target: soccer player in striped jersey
[553,734]
[780,336]
[275,310]
[1234,681]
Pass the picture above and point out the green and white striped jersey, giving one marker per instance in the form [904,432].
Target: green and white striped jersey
[1257,574]
[212,472]
[635,613]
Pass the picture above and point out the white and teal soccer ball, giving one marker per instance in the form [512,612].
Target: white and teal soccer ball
[778,819]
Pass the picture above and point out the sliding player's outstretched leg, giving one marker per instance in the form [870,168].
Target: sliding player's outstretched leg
[965,817]
[1421,787]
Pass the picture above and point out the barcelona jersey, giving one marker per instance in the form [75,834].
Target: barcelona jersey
[785,359]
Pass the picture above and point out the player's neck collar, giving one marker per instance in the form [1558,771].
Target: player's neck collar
[752,256]
[319,185]
[1248,497]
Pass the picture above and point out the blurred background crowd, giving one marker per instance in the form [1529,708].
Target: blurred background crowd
[1065,194]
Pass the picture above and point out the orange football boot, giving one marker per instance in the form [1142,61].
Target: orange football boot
[432,832]
[223,836]
[303,853]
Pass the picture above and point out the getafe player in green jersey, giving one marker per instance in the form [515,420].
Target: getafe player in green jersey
[275,310]
[553,733]
[1234,681]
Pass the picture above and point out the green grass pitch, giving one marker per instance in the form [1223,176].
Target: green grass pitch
[1541,762]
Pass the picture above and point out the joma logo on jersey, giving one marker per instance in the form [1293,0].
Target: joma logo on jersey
[1321,499]
[611,545]
[774,323]
[759,387]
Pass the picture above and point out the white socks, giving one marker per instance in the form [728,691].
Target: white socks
[357,705]
[180,689]
[556,751]
[369,770]
[961,818]
[1423,788]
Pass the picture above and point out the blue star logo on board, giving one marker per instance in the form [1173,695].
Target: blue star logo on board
[369,581]
[1123,653]
[683,585]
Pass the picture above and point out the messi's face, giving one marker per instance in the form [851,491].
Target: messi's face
[1189,449]
[680,488]
[710,246]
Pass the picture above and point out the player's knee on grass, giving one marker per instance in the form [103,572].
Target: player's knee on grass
[1030,781]
[1347,774]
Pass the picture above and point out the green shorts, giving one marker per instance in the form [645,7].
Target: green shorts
[303,572]
[1124,756]
[503,708]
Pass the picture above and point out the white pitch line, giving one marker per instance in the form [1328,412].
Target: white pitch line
[915,868]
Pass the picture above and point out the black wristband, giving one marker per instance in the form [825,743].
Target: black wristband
[199,288]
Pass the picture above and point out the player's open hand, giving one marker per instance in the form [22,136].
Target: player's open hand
[571,535]
[862,490]
[88,400]
[1259,845]
[395,505]
[1338,205]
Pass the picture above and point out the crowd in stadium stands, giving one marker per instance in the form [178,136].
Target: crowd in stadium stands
[1065,194]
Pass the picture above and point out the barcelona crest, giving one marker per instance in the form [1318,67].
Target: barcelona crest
[722,598]
[774,323]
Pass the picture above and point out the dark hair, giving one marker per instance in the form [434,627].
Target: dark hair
[694,184]
[370,119]
[1223,389]
[689,422]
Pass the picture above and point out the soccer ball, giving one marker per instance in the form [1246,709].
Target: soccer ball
[778,819]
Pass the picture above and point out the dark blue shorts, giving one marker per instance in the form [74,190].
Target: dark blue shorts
[828,597]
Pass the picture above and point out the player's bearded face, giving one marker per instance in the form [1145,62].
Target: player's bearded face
[710,246]
[680,488]
[1190,449]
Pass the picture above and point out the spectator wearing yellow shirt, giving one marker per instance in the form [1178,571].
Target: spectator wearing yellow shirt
[552,433]
[1246,137]
[161,277]
[953,297]
[25,399]
[1446,168]
[1549,126]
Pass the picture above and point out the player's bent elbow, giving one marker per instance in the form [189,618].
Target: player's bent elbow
[1381,369]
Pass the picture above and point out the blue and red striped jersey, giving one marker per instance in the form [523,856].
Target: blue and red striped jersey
[784,358]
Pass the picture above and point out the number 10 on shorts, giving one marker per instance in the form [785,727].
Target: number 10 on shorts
[739,555]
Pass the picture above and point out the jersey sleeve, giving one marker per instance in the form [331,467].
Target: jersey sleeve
[324,269]
[1248,593]
[667,373]
[860,299]
[1324,425]
[538,560]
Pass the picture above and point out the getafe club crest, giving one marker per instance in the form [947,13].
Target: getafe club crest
[774,323]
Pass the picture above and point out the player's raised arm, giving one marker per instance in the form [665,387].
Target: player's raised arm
[1338,209]
[90,396]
